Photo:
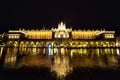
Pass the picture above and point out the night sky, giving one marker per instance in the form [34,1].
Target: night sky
[81,14]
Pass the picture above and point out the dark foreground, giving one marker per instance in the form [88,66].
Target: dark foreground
[46,74]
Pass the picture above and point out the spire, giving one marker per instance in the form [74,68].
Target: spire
[61,26]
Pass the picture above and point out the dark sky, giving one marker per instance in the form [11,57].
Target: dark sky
[82,14]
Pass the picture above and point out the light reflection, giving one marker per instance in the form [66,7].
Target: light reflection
[34,61]
[55,50]
[97,52]
[61,65]
[10,58]
[1,51]
[34,50]
[118,51]
[79,51]
[43,50]
[62,51]
[50,51]
[61,60]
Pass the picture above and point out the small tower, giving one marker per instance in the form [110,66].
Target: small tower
[61,26]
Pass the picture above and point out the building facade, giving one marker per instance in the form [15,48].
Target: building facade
[61,37]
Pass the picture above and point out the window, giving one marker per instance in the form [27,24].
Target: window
[109,35]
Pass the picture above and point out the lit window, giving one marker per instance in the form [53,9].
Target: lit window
[9,36]
[12,36]
[15,36]
[109,36]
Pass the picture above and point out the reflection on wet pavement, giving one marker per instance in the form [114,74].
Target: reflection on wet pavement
[61,60]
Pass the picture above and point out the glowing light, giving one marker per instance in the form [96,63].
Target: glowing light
[49,49]
[49,46]
[39,34]
[61,26]
[61,66]
[109,35]
[34,50]
[118,51]
[44,51]
[1,51]
[55,50]
[62,51]
[83,34]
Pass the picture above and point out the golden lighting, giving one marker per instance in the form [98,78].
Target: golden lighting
[40,34]
[109,35]
[61,26]
[61,65]
[83,34]
[99,38]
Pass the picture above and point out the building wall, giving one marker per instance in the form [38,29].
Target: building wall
[78,34]
[39,34]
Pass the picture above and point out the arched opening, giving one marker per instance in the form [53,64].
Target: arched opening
[33,44]
[74,44]
[11,44]
[37,44]
[49,45]
[15,44]
[55,44]
[21,44]
[66,44]
[26,44]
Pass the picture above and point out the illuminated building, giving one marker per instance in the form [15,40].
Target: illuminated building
[118,41]
[61,37]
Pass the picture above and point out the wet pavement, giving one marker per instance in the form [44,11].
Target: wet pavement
[60,64]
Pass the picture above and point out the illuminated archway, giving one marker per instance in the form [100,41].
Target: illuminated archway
[15,44]
[11,44]
[22,44]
